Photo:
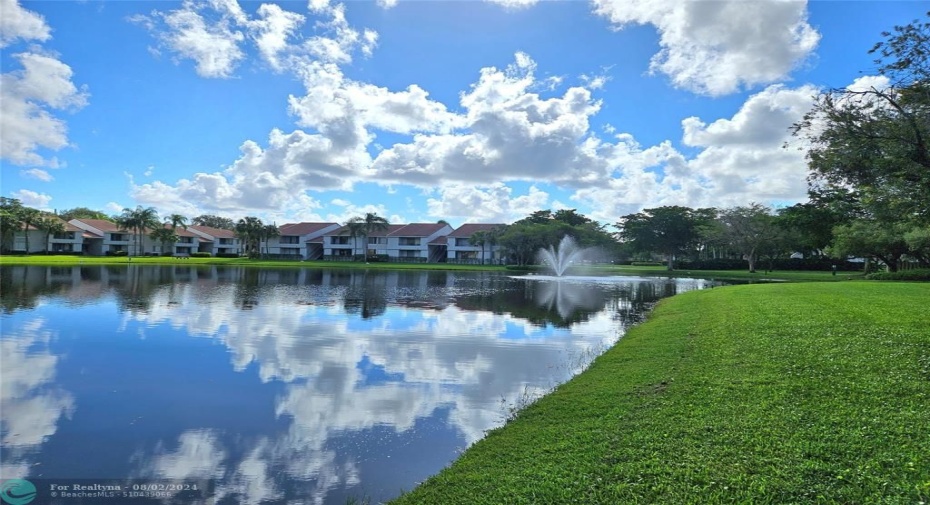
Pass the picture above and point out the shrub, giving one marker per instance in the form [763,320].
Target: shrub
[201,255]
[920,274]
[227,255]
[115,253]
[646,263]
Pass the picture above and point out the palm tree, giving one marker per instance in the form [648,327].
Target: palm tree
[137,221]
[176,220]
[268,232]
[249,230]
[28,217]
[479,238]
[372,223]
[11,220]
[164,236]
[50,224]
[356,228]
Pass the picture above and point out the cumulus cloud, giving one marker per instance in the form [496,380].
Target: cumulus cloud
[32,198]
[494,203]
[720,47]
[21,24]
[28,96]
[511,134]
[515,4]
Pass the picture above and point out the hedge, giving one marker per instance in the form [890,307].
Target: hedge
[920,274]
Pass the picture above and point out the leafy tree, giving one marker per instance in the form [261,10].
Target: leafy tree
[268,232]
[249,230]
[365,226]
[872,239]
[137,221]
[374,222]
[223,223]
[875,141]
[748,230]
[669,230]
[918,241]
[11,211]
[49,225]
[164,236]
[355,228]
[571,217]
[82,213]
[28,217]
[479,238]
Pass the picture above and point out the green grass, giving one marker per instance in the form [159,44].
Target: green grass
[769,393]
[64,260]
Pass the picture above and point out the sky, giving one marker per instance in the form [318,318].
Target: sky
[467,111]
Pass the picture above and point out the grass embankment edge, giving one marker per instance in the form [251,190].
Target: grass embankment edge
[770,393]
[64,260]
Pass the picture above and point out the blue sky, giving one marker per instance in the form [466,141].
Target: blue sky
[467,111]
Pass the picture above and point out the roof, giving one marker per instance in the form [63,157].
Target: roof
[344,230]
[439,240]
[214,232]
[467,230]
[418,230]
[102,225]
[88,234]
[303,228]
[181,232]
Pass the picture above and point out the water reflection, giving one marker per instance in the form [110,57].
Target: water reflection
[298,386]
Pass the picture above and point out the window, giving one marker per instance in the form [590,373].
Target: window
[117,237]
[377,240]
[409,254]
[409,241]
[466,255]
[68,235]
[225,241]
[463,242]
[340,240]
[289,239]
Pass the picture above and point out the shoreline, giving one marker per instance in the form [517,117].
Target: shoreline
[760,276]
[770,393]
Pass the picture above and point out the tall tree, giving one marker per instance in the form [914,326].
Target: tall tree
[29,216]
[176,221]
[10,221]
[164,236]
[223,223]
[374,222]
[356,228]
[268,232]
[137,221]
[748,230]
[876,140]
[668,230]
[249,230]
[480,239]
[870,238]
[49,225]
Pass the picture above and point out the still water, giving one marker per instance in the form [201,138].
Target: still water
[290,385]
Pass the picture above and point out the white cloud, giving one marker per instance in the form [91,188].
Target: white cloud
[32,198]
[37,173]
[272,30]
[515,4]
[17,23]
[511,134]
[719,47]
[494,203]
[213,45]
[386,4]
[26,97]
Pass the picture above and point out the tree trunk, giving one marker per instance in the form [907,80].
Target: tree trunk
[671,261]
[751,258]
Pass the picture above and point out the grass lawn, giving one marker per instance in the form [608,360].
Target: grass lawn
[766,393]
[62,260]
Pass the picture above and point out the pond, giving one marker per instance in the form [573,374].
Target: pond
[285,385]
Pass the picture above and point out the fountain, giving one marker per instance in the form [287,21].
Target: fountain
[560,259]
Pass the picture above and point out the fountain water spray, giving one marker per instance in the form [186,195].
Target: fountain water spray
[560,259]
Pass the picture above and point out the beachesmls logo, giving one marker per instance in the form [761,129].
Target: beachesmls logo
[17,492]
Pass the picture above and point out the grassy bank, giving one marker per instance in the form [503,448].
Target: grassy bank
[63,260]
[770,393]
[245,262]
